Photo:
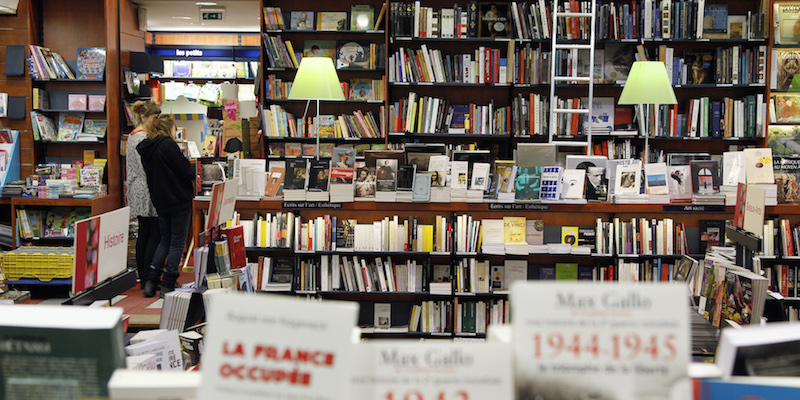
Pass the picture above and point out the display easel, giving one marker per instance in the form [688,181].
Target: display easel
[105,290]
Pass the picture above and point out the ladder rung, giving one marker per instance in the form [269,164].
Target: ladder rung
[572,78]
[569,144]
[571,110]
[573,46]
[574,14]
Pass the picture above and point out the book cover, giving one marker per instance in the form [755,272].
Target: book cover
[332,21]
[302,21]
[274,181]
[586,237]
[550,183]
[293,149]
[786,17]
[459,174]
[787,65]
[282,270]
[514,229]
[787,172]
[494,20]
[97,102]
[534,231]
[783,139]
[235,237]
[679,183]
[296,174]
[480,176]
[569,235]
[528,183]
[702,65]
[547,273]
[319,48]
[573,181]
[343,157]
[437,167]
[353,54]
[69,125]
[656,178]
[422,187]
[459,123]
[619,58]
[91,62]
[705,177]
[383,315]
[405,177]
[4,105]
[44,345]
[712,233]
[627,179]
[362,17]
[754,199]
[737,27]
[758,165]
[715,21]
[345,233]
[602,113]
[502,175]
[787,107]
[326,150]
[566,271]
[386,174]
[365,183]
[319,175]
[96,127]
[77,102]
[361,89]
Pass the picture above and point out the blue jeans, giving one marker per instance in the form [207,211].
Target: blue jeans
[174,229]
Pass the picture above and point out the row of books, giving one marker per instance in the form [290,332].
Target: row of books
[736,65]
[278,122]
[730,292]
[429,65]
[358,274]
[293,149]
[782,279]
[58,222]
[72,126]
[356,89]
[476,316]
[360,18]
[44,64]
[729,118]
[210,69]
[426,114]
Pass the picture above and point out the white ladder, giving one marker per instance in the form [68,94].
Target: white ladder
[558,44]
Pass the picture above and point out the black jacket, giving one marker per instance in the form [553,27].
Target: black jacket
[170,175]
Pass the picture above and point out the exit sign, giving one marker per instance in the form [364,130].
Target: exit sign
[211,15]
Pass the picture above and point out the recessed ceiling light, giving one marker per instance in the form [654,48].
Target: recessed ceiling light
[180,17]
[205,3]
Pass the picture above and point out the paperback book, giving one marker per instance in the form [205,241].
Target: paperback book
[528,183]
[680,182]
[787,173]
[705,177]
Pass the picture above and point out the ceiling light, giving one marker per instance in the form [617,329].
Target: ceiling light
[180,17]
[205,3]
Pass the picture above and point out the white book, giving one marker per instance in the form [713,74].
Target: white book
[573,183]
[459,171]
[480,176]
[733,168]
[626,179]
[758,165]
[656,178]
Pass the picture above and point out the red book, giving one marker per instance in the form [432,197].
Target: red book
[576,102]
[574,24]
[487,65]
[235,237]
[496,66]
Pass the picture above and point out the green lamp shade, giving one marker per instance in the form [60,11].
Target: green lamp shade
[647,83]
[316,79]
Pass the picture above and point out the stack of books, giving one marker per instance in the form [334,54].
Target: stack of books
[709,199]
[730,194]
[771,198]
[624,198]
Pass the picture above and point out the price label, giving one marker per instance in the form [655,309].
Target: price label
[621,341]
[395,370]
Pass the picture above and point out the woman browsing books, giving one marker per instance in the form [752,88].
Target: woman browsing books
[169,177]
[138,194]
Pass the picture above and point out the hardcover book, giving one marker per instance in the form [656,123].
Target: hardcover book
[494,20]
[514,229]
[712,233]
[365,183]
[705,177]
[550,183]
[619,58]
[319,174]
[528,183]
[787,107]
[569,235]
[274,181]
[405,177]
[534,231]
[361,89]
[95,127]
[352,54]
[362,17]
[77,102]
[787,172]
[386,174]
[573,182]
[91,62]
[656,178]
[787,65]
[786,16]
[320,48]
[702,66]
[332,21]
[783,139]
[302,20]
[296,174]
[715,21]
[422,187]
[627,180]
[680,183]
[758,165]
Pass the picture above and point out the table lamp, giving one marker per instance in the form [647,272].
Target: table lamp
[316,79]
[647,83]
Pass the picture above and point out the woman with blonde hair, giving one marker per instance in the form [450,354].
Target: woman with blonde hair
[170,178]
[137,192]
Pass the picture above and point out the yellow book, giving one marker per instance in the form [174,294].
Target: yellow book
[420,120]
[427,238]
[514,229]
[569,235]
[291,54]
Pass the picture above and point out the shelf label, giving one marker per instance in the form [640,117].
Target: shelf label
[312,204]
[693,208]
[395,370]
[622,341]
[513,206]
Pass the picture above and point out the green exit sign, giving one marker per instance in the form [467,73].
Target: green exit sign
[211,15]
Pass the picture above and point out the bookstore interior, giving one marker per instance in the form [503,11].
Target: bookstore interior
[541,199]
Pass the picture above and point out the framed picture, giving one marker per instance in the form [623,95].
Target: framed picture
[494,20]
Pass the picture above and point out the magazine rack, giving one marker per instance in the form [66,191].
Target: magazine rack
[747,245]
[105,290]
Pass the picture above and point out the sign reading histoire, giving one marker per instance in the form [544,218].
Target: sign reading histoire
[101,248]
[398,370]
[223,203]
[611,341]
[274,347]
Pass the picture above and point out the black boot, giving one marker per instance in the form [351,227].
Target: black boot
[168,284]
[152,279]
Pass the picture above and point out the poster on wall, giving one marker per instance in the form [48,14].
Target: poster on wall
[101,248]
